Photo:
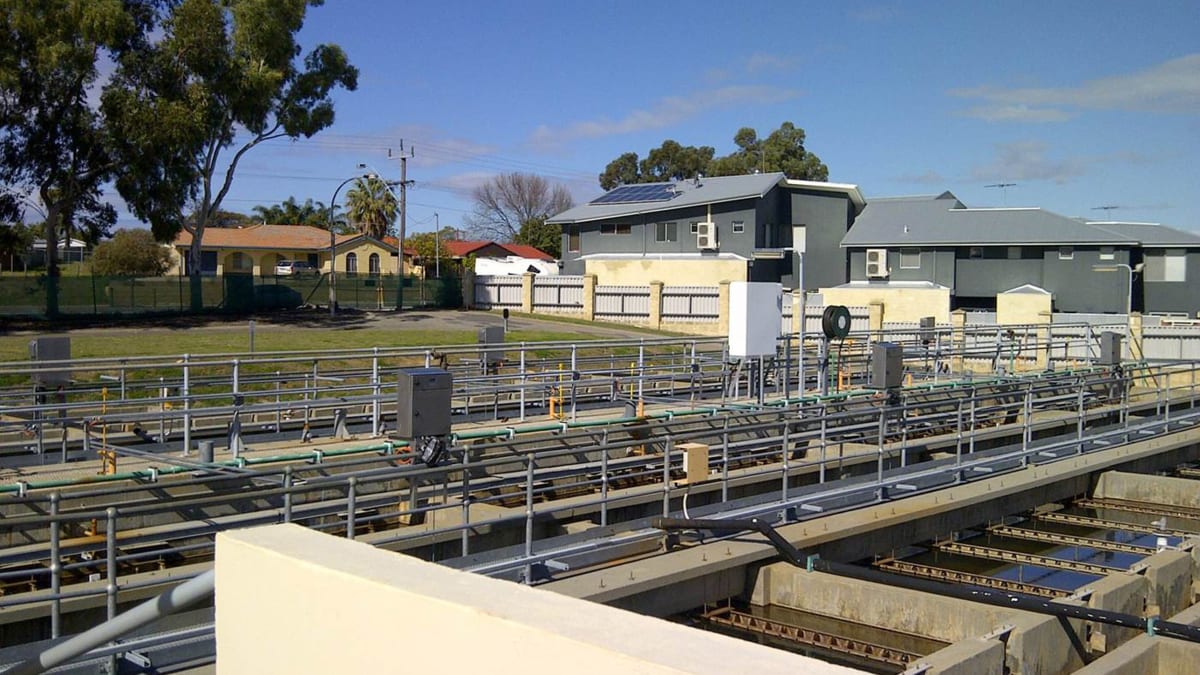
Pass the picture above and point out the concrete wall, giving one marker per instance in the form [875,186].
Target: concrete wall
[1022,308]
[1164,490]
[1152,655]
[973,656]
[641,271]
[899,303]
[1128,593]
[1037,644]
[292,600]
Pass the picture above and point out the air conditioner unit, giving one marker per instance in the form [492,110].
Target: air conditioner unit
[877,263]
[706,236]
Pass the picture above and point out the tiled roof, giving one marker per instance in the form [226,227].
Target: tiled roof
[459,248]
[527,251]
[288,237]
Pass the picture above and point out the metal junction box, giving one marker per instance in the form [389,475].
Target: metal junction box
[887,366]
[928,326]
[423,405]
[1110,349]
[51,349]
[755,318]
[491,335]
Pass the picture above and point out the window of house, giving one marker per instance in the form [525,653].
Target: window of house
[910,258]
[975,252]
[373,264]
[1014,252]
[351,263]
[573,241]
[739,226]
[1169,265]
[695,226]
[615,228]
[665,232]
[1108,253]
[1066,253]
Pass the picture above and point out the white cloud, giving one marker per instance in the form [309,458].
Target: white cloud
[1017,113]
[874,13]
[665,113]
[930,177]
[1028,161]
[1169,87]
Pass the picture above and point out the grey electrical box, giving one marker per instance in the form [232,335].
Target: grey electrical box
[51,349]
[1110,349]
[927,328]
[887,366]
[423,405]
[491,335]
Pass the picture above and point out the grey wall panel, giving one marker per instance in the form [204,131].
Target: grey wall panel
[827,219]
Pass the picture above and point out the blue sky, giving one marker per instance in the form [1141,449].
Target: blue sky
[1080,104]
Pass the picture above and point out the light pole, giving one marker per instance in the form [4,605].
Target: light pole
[1113,267]
[437,246]
[333,247]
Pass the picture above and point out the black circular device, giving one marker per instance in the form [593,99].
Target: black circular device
[835,322]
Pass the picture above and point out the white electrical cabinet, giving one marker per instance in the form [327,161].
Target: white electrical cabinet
[755,318]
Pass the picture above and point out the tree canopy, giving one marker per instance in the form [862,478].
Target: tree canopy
[783,150]
[508,201]
[222,75]
[431,247]
[371,207]
[53,142]
[292,212]
[131,253]
[540,235]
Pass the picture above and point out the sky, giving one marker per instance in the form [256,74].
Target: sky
[1079,105]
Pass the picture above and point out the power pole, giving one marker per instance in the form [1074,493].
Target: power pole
[404,182]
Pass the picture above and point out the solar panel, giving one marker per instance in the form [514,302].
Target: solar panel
[628,194]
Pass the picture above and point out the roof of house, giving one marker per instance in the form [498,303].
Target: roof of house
[395,243]
[278,237]
[943,220]
[1150,234]
[460,248]
[713,190]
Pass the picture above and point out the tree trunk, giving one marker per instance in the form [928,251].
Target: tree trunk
[194,269]
[50,233]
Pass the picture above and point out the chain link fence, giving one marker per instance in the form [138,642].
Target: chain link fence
[26,295]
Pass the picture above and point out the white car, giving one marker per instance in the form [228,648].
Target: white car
[294,268]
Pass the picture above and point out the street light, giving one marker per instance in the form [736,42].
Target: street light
[1113,267]
[333,245]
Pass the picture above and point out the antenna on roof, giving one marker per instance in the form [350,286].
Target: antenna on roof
[1106,207]
[1003,187]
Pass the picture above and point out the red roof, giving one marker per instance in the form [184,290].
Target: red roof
[288,237]
[458,248]
[526,251]
[394,242]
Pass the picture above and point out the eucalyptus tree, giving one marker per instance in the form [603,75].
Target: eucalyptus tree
[221,78]
[53,140]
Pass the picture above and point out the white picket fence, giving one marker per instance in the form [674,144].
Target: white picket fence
[691,304]
[622,303]
[558,294]
[498,292]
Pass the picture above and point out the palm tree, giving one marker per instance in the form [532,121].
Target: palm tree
[371,207]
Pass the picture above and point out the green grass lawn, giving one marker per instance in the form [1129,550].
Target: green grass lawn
[124,342]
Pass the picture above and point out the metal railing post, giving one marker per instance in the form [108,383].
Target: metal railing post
[55,568]
[351,505]
[529,518]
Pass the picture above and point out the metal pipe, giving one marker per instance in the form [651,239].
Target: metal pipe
[179,598]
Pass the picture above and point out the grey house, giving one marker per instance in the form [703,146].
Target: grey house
[761,227]
[1170,277]
[978,253]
